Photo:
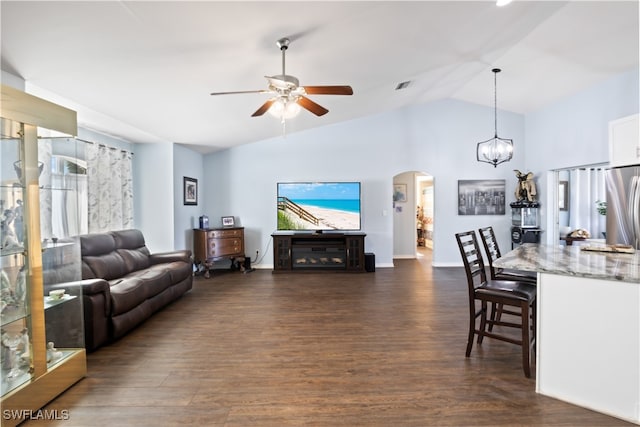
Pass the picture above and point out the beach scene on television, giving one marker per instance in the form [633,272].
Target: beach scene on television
[319,206]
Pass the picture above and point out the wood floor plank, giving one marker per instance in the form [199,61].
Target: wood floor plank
[375,349]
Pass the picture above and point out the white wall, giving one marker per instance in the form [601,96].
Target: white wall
[574,132]
[186,163]
[438,137]
[154,195]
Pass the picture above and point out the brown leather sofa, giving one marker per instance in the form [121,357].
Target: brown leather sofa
[124,284]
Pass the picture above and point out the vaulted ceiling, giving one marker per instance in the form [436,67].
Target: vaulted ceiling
[143,70]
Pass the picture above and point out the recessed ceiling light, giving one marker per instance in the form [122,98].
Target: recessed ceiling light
[502,2]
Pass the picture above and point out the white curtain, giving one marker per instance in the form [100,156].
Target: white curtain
[587,186]
[63,195]
[110,188]
[69,214]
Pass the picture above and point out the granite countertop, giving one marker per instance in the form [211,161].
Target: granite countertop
[572,261]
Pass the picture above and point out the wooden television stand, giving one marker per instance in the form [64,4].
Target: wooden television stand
[318,252]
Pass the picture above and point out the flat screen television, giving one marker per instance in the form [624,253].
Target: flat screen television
[319,206]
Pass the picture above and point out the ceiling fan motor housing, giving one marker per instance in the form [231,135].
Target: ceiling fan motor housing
[284,81]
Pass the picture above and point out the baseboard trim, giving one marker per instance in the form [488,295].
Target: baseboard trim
[385,265]
[446,264]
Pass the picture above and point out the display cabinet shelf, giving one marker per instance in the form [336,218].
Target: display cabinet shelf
[13,250]
[11,382]
[12,313]
[51,302]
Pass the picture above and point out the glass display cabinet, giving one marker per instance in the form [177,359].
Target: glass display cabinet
[42,337]
[525,223]
[525,214]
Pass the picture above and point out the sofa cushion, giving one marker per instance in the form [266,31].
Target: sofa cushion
[135,259]
[132,248]
[108,266]
[155,279]
[128,239]
[97,244]
[126,294]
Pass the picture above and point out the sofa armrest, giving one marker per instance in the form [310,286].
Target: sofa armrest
[165,257]
[96,307]
[89,287]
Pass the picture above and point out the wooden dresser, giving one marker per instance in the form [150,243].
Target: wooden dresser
[214,244]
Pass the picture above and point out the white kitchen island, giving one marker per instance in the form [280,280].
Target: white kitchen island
[588,336]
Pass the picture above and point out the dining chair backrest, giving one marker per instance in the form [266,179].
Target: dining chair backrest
[472,259]
[491,248]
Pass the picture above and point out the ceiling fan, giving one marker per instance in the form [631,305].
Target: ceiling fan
[287,94]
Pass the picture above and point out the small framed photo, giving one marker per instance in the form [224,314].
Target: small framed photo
[190,190]
[228,221]
[400,192]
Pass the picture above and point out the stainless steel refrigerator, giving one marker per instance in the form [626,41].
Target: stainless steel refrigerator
[623,205]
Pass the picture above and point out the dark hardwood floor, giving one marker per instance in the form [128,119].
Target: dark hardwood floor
[375,349]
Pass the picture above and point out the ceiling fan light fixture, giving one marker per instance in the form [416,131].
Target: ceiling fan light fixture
[284,109]
[495,150]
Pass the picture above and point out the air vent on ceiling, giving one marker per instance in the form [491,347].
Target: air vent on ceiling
[403,85]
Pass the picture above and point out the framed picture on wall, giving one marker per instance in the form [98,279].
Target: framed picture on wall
[563,195]
[481,197]
[190,190]
[399,192]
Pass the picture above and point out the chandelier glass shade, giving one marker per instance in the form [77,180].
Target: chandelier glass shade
[495,150]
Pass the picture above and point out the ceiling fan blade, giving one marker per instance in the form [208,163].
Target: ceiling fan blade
[316,109]
[239,91]
[263,108]
[328,90]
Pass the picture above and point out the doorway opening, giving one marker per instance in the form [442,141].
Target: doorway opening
[580,203]
[413,214]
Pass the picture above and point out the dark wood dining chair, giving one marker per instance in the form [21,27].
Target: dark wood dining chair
[492,251]
[507,293]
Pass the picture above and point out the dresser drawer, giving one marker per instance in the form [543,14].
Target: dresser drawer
[224,247]
[220,234]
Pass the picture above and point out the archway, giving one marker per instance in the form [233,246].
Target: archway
[413,207]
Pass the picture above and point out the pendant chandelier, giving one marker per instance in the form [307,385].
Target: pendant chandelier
[495,150]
